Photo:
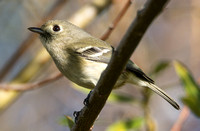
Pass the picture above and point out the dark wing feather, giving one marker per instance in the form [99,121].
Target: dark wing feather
[137,71]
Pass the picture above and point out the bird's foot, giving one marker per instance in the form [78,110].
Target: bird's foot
[86,101]
[76,115]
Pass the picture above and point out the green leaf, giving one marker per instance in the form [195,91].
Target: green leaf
[192,90]
[119,97]
[159,67]
[126,125]
[66,121]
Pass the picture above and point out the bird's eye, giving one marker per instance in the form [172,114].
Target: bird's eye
[56,28]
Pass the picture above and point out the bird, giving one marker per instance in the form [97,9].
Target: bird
[82,58]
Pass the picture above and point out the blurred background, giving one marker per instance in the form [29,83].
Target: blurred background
[174,35]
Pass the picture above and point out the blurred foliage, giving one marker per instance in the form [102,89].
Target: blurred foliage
[192,91]
[159,67]
[127,125]
[119,97]
[66,121]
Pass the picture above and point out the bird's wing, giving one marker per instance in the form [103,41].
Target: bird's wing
[132,67]
[102,52]
[93,53]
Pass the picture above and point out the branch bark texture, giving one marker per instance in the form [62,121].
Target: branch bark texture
[121,55]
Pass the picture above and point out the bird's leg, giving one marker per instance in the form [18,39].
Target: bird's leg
[86,100]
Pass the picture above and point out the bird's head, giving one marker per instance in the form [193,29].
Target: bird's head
[58,31]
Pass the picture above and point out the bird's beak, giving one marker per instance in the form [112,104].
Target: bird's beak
[36,30]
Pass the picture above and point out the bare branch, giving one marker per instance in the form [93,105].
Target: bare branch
[31,86]
[98,98]
[182,118]
[116,20]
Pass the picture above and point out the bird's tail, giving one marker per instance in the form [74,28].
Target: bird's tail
[163,95]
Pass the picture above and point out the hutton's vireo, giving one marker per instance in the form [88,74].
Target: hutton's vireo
[82,58]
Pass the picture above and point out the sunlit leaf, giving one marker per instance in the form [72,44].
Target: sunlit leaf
[192,90]
[127,125]
[118,97]
[159,67]
[66,121]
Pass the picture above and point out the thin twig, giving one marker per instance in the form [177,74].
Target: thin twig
[98,97]
[198,80]
[182,118]
[116,20]
[26,87]
[30,40]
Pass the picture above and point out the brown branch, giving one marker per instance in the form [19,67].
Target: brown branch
[25,87]
[182,118]
[116,20]
[30,40]
[88,114]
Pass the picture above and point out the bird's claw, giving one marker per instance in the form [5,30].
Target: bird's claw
[76,115]
[86,101]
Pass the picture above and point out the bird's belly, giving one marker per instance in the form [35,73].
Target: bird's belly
[93,71]
[89,74]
